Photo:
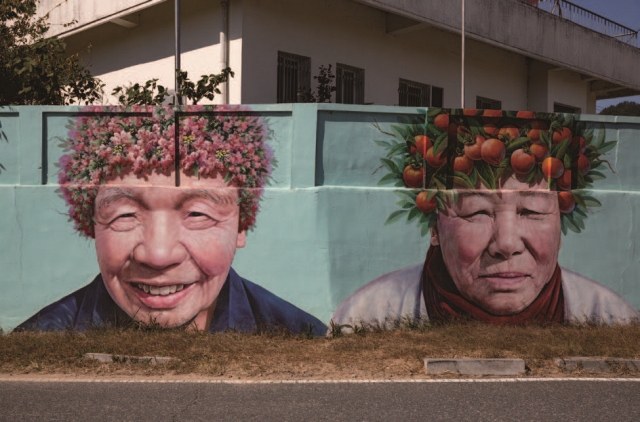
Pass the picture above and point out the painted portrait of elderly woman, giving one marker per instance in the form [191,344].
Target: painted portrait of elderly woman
[495,191]
[168,201]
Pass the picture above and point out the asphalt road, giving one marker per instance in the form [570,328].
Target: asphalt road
[545,400]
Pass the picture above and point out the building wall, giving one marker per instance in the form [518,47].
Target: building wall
[568,88]
[342,32]
[119,56]
[353,34]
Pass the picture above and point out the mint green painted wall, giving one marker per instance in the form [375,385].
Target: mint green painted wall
[320,233]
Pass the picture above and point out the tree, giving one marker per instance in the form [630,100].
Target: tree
[325,87]
[153,94]
[35,69]
[625,108]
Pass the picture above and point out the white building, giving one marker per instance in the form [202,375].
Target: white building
[517,56]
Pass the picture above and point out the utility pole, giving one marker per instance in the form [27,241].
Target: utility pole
[462,72]
[176,98]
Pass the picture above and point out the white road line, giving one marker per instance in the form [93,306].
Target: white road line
[313,381]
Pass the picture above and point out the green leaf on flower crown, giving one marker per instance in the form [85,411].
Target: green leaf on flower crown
[463,179]
[596,175]
[401,132]
[569,121]
[433,112]
[555,126]
[440,203]
[399,184]
[579,210]
[567,161]
[473,123]
[473,177]
[607,146]
[228,177]
[425,228]
[517,143]
[390,165]
[433,131]
[503,168]
[384,144]
[396,215]
[590,201]
[415,212]
[486,175]
[387,179]
[576,220]
[561,149]
[578,197]
[571,225]
[404,194]
[544,137]
[441,143]
[439,184]
[402,148]
[406,205]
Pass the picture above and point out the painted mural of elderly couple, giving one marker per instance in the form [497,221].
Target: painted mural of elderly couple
[494,190]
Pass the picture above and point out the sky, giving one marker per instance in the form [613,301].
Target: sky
[624,12]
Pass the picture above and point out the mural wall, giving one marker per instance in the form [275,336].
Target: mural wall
[294,215]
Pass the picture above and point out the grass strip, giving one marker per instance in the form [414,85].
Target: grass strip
[272,354]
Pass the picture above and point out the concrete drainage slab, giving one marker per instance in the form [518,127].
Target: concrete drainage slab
[108,358]
[592,364]
[471,366]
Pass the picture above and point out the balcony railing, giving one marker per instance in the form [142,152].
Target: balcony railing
[588,19]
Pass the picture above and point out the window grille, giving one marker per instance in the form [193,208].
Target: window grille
[294,77]
[349,84]
[415,94]
[488,104]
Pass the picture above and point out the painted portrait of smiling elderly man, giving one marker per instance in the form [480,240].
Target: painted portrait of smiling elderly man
[495,191]
[166,232]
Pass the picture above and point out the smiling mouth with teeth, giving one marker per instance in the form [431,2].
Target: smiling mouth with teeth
[159,290]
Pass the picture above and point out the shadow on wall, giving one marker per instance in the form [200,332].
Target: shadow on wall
[150,41]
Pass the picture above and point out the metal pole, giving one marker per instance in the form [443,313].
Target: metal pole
[224,47]
[462,72]
[177,100]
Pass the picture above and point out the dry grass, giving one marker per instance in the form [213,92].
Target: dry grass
[381,354]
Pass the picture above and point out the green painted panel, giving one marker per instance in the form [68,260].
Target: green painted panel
[347,154]
[9,148]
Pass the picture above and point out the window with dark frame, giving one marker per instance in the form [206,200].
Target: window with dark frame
[294,77]
[349,84]
[561,108]
[488,103]
[416,94]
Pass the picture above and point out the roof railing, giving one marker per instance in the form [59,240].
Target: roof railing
[589,19]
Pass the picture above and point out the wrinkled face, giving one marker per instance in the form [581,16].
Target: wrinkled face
[164,251]
[501,247]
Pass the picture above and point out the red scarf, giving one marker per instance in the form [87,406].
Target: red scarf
[445,304]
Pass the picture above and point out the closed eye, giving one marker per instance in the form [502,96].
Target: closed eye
[197,214]
[476,213]
[123,216]
[529,212]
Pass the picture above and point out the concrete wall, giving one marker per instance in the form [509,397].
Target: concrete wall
[320,233]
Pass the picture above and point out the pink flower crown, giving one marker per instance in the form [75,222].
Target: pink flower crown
[108,142]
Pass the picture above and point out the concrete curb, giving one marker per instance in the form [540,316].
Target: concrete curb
[470,366]
[107,358]
[597,364]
